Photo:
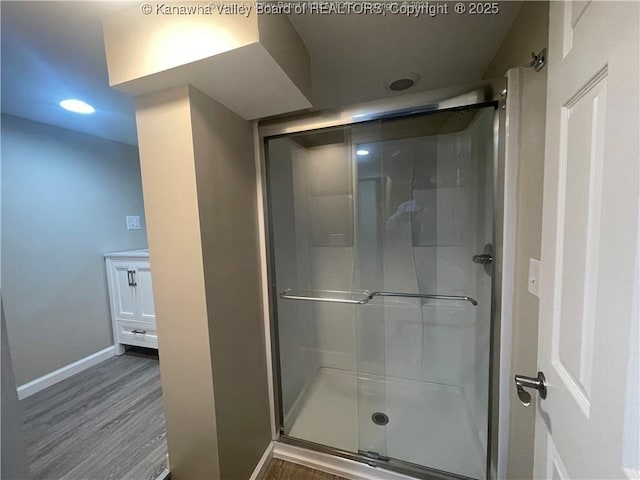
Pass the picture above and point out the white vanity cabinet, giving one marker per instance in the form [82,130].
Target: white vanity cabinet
[131,297]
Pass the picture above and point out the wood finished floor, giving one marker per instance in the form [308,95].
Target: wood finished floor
[281,470]
[105,423]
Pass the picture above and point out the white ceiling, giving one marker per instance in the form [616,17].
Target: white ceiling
[54,50]
[353,56]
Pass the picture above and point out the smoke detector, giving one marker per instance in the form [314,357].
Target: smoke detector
[402,82]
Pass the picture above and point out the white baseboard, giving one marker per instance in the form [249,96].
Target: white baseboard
[339,466]
[263,464]
[63,373]
[163,475]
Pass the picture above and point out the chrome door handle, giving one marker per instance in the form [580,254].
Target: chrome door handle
[523,382]
[484,259]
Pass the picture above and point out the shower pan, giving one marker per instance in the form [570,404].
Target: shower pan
[382,228]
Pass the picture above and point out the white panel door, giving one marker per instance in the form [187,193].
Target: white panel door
[124,296]
[144,292]
[589,239]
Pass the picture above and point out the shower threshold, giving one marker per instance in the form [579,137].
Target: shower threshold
[426,423]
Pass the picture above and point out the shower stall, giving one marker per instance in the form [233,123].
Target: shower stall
[382,230]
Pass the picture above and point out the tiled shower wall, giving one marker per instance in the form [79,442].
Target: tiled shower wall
[290,246]
[311,205]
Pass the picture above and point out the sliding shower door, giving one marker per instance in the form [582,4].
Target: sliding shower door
[381,245]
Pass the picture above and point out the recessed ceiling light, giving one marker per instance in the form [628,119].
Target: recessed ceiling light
[403,82]
[76,106]
[362,152]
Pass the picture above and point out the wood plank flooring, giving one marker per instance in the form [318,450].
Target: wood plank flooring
[281,470]
[105,423]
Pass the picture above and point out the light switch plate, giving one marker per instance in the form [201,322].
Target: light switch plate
[133,222]
[534,276]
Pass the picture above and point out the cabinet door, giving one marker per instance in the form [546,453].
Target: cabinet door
[124,295]
[147,312]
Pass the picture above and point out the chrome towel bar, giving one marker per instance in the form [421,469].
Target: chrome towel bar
[360,297]
[454,298]
[333,296]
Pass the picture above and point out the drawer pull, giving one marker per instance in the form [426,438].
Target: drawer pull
[135,331]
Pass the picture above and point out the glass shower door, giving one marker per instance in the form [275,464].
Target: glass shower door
[381,291]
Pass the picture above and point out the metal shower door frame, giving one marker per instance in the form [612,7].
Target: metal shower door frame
[484,94]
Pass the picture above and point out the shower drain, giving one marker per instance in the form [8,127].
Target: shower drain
[380,418]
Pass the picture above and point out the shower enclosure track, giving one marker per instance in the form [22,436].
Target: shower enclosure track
[362,297]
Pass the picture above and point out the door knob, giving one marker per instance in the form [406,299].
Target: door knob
[523,382]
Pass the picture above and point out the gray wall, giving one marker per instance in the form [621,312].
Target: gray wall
[65,196]
[13,465]
[198,171]
[226,182]
[527,34]
[167,159]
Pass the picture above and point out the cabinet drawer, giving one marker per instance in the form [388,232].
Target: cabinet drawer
[137,333]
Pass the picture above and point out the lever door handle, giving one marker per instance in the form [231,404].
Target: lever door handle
[523,382]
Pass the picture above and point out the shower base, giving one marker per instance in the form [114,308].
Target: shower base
[428,424]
